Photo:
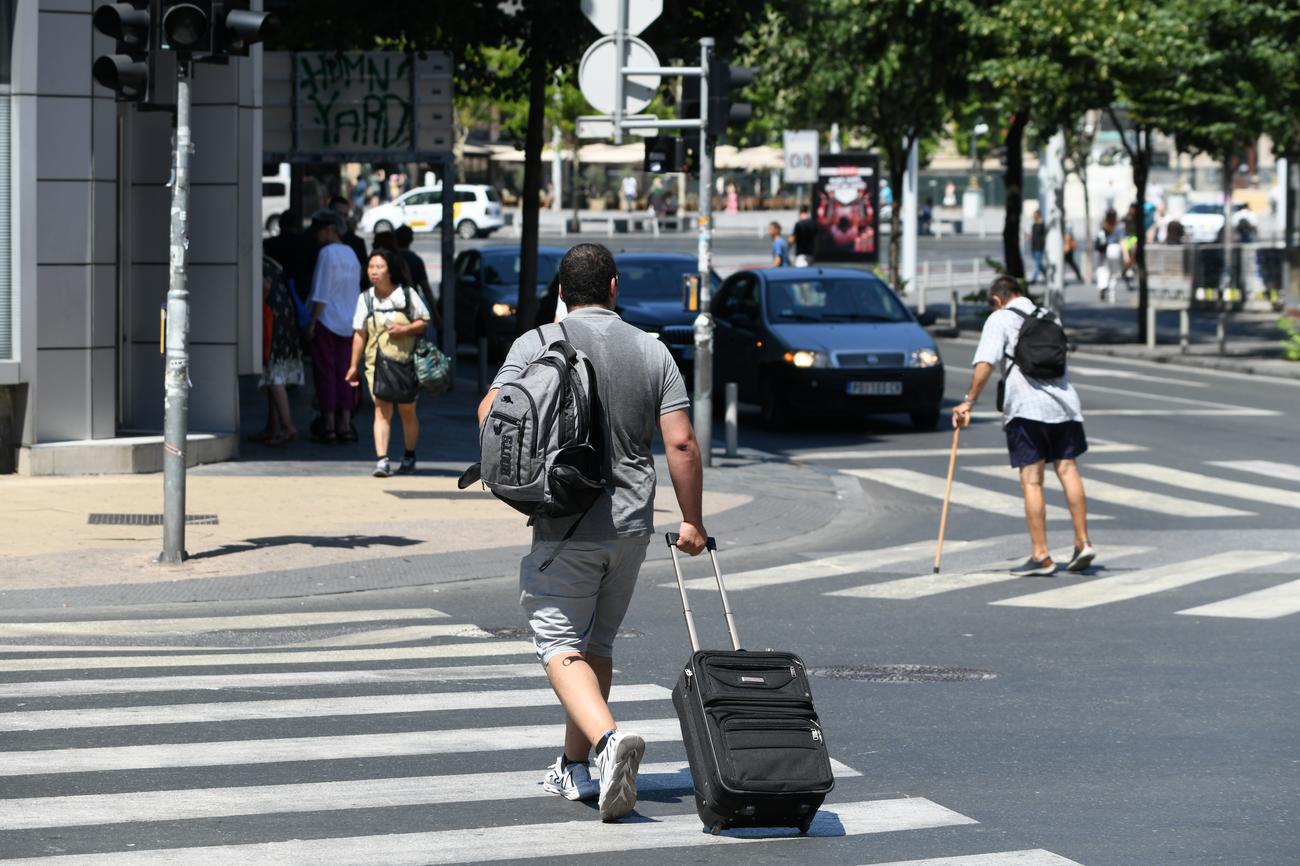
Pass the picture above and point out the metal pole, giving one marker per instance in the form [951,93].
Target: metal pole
[1184,330]
[733,419]
[1225,274]
[704,321]
[620,48]
[921,285]
[449,337]
[1151,326]
[908,203]
[176,377]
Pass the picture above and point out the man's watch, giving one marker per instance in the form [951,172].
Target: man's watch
[966,398]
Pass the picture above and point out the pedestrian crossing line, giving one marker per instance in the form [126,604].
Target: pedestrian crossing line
[1274,602]
[1279,471]
[363,638]
[1095,446]
[278,657]
[558,839]
[381,793]
[831,566]
[1129,497]
[184,625]
[102,759]
[1271,496]
[1158,413]
[962,494]
[220,682]
[1146,398]
[1100,372]
[362,705]
[1123,587]
[1030,857]
[924,585]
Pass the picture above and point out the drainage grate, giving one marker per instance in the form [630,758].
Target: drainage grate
[523,632]
[148,519]
[440,494]
[901,674]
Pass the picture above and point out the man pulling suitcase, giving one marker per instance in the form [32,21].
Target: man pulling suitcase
[577,581]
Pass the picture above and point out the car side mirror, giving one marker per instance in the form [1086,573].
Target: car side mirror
[927,318]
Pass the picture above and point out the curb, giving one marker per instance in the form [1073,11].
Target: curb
[1231,365]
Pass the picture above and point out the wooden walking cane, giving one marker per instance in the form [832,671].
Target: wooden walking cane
[947,495]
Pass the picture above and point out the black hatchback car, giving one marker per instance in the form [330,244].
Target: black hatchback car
[800,341]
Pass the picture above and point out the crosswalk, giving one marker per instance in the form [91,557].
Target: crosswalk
[1129,572]
[112,756]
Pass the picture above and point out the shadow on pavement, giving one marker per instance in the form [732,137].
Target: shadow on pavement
[339,542]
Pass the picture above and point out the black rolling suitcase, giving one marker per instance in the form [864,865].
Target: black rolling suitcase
[757,754]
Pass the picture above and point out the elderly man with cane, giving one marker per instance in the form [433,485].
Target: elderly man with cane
[1042,418]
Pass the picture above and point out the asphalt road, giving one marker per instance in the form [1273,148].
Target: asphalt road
[1143,713]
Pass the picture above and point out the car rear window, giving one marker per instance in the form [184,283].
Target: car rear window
[491,194]
[833,300]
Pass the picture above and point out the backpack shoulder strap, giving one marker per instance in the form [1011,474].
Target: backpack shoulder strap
[370,303]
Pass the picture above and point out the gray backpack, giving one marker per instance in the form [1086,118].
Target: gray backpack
[542,443]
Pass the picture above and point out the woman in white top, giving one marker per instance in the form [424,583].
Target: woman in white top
[389,318]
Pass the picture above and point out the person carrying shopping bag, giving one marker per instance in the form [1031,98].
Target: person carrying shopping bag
[390,317]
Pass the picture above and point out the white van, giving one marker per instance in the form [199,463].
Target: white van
[275,197]
[477,211]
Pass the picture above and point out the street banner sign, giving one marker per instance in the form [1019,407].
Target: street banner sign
[601,126]
[846,203]
[801,147]
[599,70]
[604,14]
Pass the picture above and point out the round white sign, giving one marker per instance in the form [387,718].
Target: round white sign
[599,70]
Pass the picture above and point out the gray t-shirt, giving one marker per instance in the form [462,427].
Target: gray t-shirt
[637,381]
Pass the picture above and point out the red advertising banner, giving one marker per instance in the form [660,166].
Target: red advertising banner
[845,208]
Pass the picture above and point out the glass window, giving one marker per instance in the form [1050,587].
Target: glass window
[833,300]
[658,281]
[273,188]
[492,195]
[740,297]
[503,267]
[419,198]
[465,195]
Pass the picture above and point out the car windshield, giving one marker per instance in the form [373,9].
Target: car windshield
[653,281]
[1212,208]
[833,300]
[503,267]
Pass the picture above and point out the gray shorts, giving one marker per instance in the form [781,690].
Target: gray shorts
[578,603]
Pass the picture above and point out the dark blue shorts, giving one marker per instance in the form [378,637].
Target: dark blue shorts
[1031,441]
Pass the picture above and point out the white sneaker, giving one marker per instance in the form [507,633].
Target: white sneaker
[572,783]
[618,763]
[383,468]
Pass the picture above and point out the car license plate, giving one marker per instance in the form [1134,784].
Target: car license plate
[875,389]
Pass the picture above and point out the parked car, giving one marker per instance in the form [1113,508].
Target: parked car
[650,296]
[477,211]
[802,341]
[487,291]
[1203,223]
[275,197]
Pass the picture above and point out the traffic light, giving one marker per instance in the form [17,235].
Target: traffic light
[238,28]
[689,106]
[186,26]
[725,83]
[665,154]
[129,69]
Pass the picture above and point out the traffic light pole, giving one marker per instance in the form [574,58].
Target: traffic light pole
[176,377]
[704,321]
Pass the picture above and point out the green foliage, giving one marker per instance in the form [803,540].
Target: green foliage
[1291,345]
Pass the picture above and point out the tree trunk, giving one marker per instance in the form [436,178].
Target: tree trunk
[1141,169]
[526,308]
[897,168]
[1015,183]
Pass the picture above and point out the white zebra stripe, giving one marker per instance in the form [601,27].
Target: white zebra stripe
[560,839]
[196,803]
[1271,496]
[280,657]
[1278,471]
[962,494]
[372,637]
[1274,602]
[924,585]
[181,625]
[337,748]
[1129,497]
[1030,857]
[362,705]
[295,679]
[1123,587]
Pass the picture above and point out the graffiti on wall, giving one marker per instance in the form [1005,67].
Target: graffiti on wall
[356,100]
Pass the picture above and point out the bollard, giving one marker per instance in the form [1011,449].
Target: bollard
[1151,325]
[952,310]
[482,365]
[1221,332]
[732,419]
[1184,330]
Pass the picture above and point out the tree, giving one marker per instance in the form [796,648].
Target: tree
[870,65]
[1042,62]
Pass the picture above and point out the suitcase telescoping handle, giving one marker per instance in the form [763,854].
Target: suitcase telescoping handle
[686,602]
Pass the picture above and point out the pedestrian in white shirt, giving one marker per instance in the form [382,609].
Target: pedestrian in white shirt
[1042,419]
[334,289]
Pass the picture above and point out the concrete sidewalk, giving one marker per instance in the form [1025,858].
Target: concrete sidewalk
[311,519]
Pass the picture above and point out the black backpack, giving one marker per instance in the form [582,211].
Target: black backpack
[1042,346]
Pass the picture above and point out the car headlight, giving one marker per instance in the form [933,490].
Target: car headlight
[804,359]
[502,310]
[923,358]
